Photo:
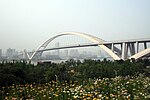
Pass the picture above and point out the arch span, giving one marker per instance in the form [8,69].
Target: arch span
[141,54]
[84,35]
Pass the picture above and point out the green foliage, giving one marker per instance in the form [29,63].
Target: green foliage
[22,72]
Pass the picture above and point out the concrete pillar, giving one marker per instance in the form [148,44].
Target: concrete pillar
[127,47]
[145,46]
[123,51]
[121,46]
[112,47]
[132,49]
[137,47]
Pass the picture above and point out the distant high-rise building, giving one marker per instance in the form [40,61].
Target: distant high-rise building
[66,53]
[57,51]
[11,53]
[0,53]
[74,53]
[21,55]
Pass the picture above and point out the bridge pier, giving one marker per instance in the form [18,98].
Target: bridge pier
[128,45]
[137,47]
[112,47]
[145,46]
[124,50]
[132,48]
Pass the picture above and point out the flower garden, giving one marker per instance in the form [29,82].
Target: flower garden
[118,88]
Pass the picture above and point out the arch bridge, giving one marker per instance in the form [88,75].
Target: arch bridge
[126,46]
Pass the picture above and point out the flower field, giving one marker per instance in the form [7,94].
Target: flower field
[120,88]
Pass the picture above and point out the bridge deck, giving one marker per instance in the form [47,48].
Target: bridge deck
[94,44]
[128,41]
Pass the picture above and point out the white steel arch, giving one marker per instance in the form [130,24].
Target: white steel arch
[84,35]
[141,54]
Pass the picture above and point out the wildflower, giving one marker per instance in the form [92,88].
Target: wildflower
[6,98]
[14,98]
[128,82]
[44,95]
[95,82]
[100,96]
[107,98]
[89,95]
[75,96]
[56,95]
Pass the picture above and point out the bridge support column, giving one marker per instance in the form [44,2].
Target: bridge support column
[132,49]
[145,46]
[137,47]
[127,49]
[124,51]
[112,47]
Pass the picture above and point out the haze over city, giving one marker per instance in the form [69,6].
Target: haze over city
[74,49]
[25,24]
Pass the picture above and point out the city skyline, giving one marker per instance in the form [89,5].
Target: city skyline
[26,24]
[13,54]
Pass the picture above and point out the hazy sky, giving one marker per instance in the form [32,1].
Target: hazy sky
[24,24]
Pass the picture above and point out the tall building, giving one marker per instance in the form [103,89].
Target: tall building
[10,53]
[57,51]
[74,53]
[66,53]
